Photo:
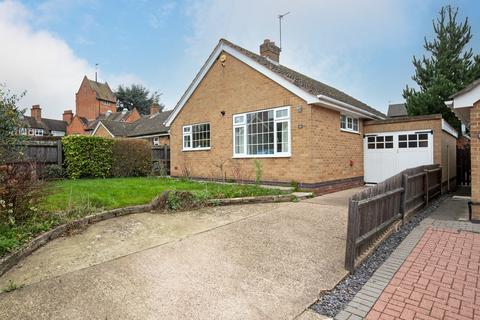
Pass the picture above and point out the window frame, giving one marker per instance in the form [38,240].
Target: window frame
[352,120]
[243,124]
[190,134]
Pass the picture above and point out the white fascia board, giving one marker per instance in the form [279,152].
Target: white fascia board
[150,136]
[347,108]
[466,99]
[449,129]
[308,97]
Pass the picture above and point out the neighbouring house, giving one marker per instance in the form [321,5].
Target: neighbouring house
[466,105]
[397,110]
[36,125]
[245,115]
[95,101]
[150,127]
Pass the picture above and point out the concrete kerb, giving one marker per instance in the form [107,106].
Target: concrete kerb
[10,260]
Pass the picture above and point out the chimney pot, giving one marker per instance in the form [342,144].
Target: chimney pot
[269,50]
[67,116]
[154,108]
[36,112]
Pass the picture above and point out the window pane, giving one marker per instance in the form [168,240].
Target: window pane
[402,137]
[201,135]
[402,144]
[371,146]
[388,138]
[389,145]
[423,136]
[379,139]
[355,124]
[412,137]
[412,144]
[349,123]
[281,113]
[380,145]
[282,136]
[371,139]
[240,140]
[260,133]
[343,122]
[423,144]
[239,119]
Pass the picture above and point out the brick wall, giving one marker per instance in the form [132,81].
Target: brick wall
[86,102]
[237,88]
[75,127]
[475,158]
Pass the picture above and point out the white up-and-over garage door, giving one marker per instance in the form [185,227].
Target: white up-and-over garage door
[388,153]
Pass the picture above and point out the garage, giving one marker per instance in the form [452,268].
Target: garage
[395,144]
[388,153]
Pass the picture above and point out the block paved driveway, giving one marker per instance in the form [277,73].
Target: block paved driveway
[237,262]
[439,280]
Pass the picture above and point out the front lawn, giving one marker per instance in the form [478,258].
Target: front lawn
[121,192]
[67,200]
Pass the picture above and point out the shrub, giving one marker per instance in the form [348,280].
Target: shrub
[87,156]
[54,172]
[19,191]
[131,158]
[258,171]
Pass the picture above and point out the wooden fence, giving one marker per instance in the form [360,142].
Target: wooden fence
[376,208]
[161,160]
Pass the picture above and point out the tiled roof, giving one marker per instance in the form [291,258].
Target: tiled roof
[117,128]
[111,116]
[45,124]
[304,82]
[148,125]
[102,91]
[397,110]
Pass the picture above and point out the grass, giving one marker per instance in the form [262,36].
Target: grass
[67,200]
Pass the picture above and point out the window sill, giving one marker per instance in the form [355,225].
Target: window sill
[196,149]
[349,131]
[262,156]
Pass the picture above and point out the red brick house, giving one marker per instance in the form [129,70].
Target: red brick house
[95,101]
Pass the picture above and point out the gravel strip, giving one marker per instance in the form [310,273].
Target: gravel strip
[333,301]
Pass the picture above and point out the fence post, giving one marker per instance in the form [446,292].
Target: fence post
[403,199]
[351,248]
[59,152]
[426,186]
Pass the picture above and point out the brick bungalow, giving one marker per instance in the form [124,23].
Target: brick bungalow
[244,108]
[466,105]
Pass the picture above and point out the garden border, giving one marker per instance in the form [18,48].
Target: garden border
[10,260]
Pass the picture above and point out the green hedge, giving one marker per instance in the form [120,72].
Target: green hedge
[87,156]
[131,158]
[96,157]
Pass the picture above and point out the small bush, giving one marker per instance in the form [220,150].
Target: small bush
[87,156]
[19,191]
[184,200]
[54,172]
[131,158]
[258,171]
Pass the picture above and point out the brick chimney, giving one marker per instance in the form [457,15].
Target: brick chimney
[154,108]
[36,112]
[269,50]
[67,116]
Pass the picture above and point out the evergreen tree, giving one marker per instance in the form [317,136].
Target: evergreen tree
[137,96]
[448,67]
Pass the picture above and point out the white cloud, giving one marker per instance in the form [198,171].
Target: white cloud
[42,64]
[328,40]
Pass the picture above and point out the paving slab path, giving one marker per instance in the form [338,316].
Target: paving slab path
[240,262]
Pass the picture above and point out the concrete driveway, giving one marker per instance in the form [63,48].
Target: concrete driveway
[241,262]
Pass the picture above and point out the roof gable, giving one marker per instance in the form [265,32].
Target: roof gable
[308,89]
[102,90]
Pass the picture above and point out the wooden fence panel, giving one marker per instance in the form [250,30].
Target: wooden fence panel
[161,159]
[374,209]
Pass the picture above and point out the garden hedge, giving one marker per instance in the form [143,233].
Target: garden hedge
[131,158]
[87,156]
[96,157]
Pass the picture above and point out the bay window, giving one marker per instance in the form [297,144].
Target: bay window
[196,137]
[263,133]
[348,123]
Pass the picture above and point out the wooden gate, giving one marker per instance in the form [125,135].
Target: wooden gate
[464,173]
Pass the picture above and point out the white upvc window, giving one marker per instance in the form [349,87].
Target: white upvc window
[22,131]
[265,133]
[196,137]
[348,123]
[38,132]
[156,141]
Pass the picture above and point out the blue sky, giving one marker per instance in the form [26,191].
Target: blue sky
[364,47]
